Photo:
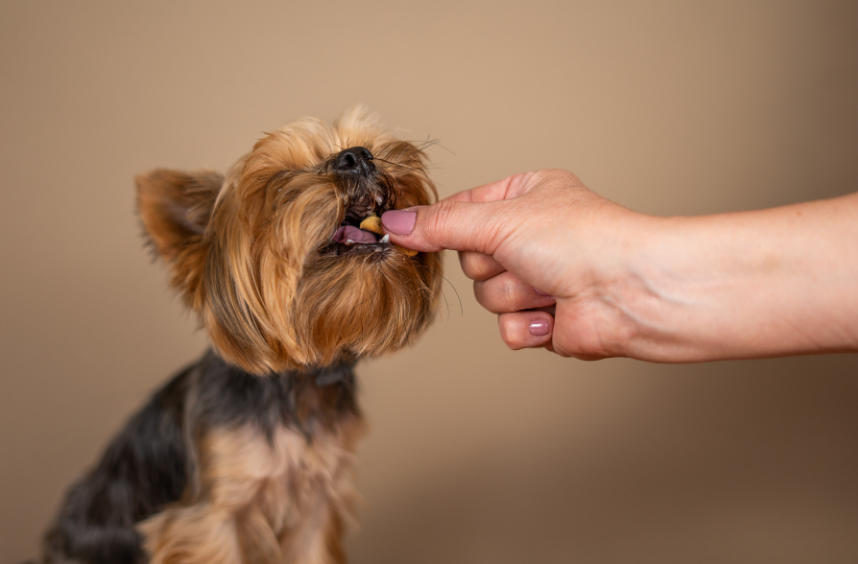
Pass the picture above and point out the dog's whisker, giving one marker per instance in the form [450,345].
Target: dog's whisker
[410,167]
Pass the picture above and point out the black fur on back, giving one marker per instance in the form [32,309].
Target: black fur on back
[151,463]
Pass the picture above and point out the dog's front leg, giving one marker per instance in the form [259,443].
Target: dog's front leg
[223,521]
[282,499]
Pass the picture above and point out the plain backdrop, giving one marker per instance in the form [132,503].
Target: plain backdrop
[476,454]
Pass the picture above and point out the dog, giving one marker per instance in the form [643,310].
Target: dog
[247,455]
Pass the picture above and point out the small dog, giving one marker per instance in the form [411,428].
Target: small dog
[246,456]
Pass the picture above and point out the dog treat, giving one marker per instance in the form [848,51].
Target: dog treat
[409,252]
[373,224]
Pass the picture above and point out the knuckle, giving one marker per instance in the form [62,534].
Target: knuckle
[480,294]
[472,264]
[557,177]
[486,267]
[508,333]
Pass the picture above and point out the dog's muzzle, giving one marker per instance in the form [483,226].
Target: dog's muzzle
[367,196]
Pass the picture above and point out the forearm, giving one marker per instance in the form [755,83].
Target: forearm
[752,284]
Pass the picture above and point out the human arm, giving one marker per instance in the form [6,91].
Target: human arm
[740,285]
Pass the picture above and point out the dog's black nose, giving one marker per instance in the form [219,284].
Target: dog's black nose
[355,160]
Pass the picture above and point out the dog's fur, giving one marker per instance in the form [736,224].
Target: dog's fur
[246,456]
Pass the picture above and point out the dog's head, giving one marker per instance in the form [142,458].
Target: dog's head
[271,257]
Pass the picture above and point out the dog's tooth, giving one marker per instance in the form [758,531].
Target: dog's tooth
[385,239]
[379,199]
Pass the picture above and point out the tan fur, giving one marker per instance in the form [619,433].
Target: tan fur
[261,502]
[254,274]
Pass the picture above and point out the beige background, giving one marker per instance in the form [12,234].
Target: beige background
[477,454]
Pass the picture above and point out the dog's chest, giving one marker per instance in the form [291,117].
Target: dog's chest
[273,479]
[286,479]
[283,443]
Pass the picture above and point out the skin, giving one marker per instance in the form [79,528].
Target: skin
[765,283]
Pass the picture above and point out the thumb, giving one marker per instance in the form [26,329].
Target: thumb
[461,226]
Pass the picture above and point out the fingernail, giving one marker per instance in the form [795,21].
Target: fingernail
[399,222]
[540,292]
[538,328]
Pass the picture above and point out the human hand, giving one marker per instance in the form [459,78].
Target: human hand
[543,252]
[772,282]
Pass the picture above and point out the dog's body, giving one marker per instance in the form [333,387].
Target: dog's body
[221,466]
[246,456]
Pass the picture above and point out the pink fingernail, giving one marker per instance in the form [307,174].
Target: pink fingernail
[538,328]
[399,222]
[540,292]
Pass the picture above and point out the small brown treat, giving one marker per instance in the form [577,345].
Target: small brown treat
[409,252]
[373,224]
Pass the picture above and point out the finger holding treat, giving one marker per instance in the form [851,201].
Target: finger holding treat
[373,224]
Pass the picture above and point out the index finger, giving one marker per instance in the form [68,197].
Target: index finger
[505,189]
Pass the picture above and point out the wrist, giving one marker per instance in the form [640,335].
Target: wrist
[613,309]
[747,285]
[676,306]
[652,294]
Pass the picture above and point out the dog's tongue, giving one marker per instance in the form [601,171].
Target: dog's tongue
[349,234]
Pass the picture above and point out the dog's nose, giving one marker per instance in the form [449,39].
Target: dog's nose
[355,160]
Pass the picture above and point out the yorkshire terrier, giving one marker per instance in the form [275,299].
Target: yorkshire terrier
[247,455]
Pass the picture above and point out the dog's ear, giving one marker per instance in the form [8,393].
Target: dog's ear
[175,208]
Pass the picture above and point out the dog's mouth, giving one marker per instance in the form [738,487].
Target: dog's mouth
[368,193]
[351,235]
[360,231]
